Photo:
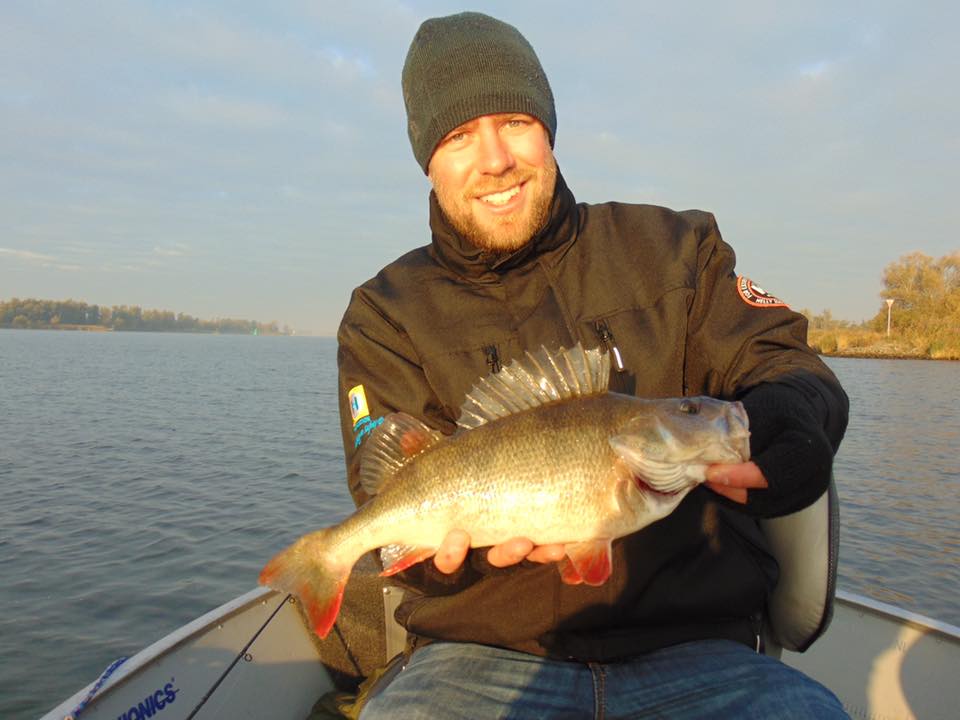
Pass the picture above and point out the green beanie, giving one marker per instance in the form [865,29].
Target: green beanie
[462,66]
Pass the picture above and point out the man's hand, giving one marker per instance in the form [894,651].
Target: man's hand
[734,481]
[452,552]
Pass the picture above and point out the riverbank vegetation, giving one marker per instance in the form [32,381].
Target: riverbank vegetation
[76,315]
[924,317]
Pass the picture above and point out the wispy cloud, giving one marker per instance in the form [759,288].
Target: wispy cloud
[816,69]
[174,250]
[27,255]
[195,107]
[39,259]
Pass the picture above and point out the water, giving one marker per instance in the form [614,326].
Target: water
[147,477]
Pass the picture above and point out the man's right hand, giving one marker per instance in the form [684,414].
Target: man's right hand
[453,550]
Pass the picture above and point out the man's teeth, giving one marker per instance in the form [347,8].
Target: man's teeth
[501,198]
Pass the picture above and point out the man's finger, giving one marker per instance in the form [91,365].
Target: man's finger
[547,553]
[452,551]
[738,475]
[738,495]
[510,552]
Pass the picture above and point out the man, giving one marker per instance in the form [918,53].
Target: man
[516,263]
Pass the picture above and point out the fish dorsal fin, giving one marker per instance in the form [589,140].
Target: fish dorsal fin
[536,379]
[398,439]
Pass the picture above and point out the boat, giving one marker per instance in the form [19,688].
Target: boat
[255,656]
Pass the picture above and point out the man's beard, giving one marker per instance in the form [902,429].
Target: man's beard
[501,234]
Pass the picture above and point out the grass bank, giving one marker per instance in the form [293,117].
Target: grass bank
[866,343]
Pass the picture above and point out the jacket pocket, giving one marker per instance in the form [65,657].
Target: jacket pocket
[646,345]
[453,372]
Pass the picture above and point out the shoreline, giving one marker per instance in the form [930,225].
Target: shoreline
[862,354]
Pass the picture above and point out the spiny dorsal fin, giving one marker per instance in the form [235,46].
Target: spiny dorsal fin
[398,439]
[537,379]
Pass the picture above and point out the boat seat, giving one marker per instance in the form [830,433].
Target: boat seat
[806,545]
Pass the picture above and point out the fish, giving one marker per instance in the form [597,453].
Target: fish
[543,450]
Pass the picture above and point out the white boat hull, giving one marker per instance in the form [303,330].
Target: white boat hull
[885,663]
[255,658]
[251,658]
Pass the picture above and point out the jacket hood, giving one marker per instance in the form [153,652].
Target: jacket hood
[464,258]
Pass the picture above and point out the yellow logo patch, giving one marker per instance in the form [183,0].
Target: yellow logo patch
[358,404]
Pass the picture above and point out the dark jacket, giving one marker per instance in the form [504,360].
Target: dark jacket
[659,286]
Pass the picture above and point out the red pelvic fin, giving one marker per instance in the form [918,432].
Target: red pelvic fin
[591,560]
[568,573]
[397,558]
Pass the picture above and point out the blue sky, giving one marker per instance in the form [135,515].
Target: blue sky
[250,159]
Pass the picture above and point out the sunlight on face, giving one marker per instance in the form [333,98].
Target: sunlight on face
[494,178]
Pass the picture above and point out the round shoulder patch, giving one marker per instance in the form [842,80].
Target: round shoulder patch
[753,294]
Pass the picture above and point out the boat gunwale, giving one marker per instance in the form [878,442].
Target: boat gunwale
[164,645]
[918,621]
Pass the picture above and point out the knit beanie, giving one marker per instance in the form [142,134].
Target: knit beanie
[466,65]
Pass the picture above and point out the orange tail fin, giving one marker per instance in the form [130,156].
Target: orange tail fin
[308,570]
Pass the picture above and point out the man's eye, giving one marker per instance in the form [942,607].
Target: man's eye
[456,137]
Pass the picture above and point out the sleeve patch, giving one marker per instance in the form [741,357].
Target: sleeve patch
[755,295]
[358,404]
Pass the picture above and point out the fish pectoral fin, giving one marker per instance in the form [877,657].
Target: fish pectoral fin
[397,557]
[396,440]
[591,561]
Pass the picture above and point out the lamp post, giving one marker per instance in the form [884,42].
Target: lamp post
[889,305]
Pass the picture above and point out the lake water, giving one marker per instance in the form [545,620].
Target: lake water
[147,477]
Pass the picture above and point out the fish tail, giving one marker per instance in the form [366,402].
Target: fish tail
[311,570]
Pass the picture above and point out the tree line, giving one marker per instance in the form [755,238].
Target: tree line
[75,315]
[924,316]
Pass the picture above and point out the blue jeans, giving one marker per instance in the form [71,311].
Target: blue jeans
[704,679]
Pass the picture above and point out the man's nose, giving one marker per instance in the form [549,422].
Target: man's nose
[495,157]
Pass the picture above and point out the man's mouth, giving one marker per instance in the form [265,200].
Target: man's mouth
[502,197]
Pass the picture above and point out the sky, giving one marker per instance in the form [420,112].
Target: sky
[248,159]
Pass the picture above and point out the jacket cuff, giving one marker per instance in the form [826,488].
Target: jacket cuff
[789,446]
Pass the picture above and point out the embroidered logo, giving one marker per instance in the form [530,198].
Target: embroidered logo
[358,404]
[755,295]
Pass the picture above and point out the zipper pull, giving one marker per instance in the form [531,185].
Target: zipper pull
[493,358]
[609,343]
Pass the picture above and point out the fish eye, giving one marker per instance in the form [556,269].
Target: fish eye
[689,407]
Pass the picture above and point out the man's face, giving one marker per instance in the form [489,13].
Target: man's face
[494,178]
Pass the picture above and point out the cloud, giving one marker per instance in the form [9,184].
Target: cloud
[195,107]
[27,255]
[174,250]
[41,260]
[816,69]
[345,66]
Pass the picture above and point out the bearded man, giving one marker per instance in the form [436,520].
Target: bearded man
[515,263]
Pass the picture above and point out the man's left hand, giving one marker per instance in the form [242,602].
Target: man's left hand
[734,481]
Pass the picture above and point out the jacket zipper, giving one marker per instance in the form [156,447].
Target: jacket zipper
[609,343]
[493,358]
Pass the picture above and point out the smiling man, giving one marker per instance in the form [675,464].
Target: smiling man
[515,263]
[494,178]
